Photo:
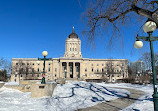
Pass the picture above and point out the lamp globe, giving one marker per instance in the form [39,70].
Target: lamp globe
[149,26]
[138,44]
[44,53]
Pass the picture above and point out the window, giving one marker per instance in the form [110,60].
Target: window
[38,69]
[32,69]
[112,75]
[55,75]
[55,69]
[92,69]
[86,70]
[118,75]
[32,75]
[77,68]
[27,63]
[15,75]
[97,64]
[37,75]
[97,70]
[75,49]
[32,63]
[92,64]
[49,69]
[117,65]
[23,63]
[102,64]
[102,70]
[49,64]
[70,49]
[21,75]
[16,63]
[70,68]
[86,75]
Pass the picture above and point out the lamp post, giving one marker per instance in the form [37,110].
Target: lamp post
[44,53]
[149,27]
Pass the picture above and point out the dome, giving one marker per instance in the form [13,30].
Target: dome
[73,35]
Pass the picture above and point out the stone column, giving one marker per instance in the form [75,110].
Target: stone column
[68,70]
[61,71]
[74,71]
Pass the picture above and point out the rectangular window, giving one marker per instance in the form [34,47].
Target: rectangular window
[97,70]
[92,69]
[55,69]
[77,68]
[32,69]
[49,69]
[70,68]
[86,70]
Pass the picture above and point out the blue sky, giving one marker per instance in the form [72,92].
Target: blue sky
[27,27]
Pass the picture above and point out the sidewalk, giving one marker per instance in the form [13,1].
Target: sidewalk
[117,104]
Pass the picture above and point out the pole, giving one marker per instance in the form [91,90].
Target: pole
[44,64]
[155,95]
[43,78]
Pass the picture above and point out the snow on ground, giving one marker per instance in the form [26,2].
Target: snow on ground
[67,97]
[12,83]
[144,103]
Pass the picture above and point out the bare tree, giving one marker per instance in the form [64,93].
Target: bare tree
[146,58]
[111,14]
[22,68]
[5,68]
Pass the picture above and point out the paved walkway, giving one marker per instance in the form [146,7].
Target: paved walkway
[117,104]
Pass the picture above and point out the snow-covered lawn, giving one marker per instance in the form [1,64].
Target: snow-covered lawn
[72,96]
[145,103]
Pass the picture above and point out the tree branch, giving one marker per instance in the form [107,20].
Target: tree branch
[113,19]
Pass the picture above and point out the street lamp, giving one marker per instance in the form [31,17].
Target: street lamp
[44,53]
[149,27]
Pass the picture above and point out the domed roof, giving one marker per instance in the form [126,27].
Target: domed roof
[73,35]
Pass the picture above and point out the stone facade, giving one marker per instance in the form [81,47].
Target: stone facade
[71,66]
